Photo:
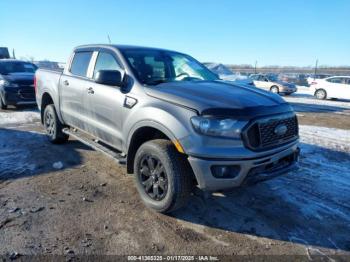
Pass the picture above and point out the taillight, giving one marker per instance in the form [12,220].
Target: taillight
[35,84]
[313,83]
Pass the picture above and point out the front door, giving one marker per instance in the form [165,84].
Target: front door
[105,103]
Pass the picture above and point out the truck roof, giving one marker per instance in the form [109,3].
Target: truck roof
[120,47]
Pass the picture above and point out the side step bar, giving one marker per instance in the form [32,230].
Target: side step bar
[95,144]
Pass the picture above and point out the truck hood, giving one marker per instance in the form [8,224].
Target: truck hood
[220,98]
[20,78]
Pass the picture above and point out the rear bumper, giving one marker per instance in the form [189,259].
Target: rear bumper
[19,97]
[250,171]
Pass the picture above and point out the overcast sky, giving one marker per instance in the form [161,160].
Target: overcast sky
[232,32]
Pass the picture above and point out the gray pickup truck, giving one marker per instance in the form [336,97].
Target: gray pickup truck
[171,121]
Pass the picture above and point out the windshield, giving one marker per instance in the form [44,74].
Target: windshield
[152,67]
[16,67]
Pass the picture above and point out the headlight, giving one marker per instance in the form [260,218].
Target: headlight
[4,82]
[227,127]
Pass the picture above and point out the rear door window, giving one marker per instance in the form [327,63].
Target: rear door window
[80,63]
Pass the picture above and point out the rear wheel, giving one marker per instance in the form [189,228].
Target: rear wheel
[321,94]
[274,89]
[2,103]
[163,176]
[53,126]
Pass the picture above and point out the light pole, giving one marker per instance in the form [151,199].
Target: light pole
[316,67]
[256,62]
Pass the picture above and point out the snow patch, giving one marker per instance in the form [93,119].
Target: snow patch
[331,138]
[20,117]
[305,96]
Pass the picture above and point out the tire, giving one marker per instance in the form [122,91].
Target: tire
[53,126]
[274,89]
[321,94]
[174,173]
[2,104]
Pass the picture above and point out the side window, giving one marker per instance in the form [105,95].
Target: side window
[347,81]
[335,80]
[80,63]
[261,78]
[106,61]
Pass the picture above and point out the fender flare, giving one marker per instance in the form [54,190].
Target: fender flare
[148,123]
[55,102]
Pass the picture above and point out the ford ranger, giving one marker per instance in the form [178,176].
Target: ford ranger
[171,121]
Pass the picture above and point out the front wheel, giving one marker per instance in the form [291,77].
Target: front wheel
[53,126]
[321,94]
[163,176]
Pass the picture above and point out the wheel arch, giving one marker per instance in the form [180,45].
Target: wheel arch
[141,133]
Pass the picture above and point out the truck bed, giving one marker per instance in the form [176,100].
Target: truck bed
[47,81]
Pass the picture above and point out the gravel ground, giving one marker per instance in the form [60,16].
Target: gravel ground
[70,200]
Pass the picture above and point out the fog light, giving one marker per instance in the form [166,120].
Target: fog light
[225,171]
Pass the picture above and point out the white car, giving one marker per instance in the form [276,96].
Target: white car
[332,87]
[313,78]
[271,83]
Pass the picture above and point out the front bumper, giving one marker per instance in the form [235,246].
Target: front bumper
[287,90]
[251,170]
[19,97]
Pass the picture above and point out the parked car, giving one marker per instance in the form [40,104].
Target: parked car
[332,87]
[16,83]
[169,119]
[273,84]
[314,77]
[4,53]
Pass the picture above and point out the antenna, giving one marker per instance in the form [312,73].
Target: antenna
[109,39]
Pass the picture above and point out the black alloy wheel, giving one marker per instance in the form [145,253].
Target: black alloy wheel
[153,177]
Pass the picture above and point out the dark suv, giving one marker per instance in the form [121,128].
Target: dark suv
[16,83]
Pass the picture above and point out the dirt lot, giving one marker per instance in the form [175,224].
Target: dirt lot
[71,200]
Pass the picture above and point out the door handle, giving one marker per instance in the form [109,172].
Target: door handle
[90,90]
[66,83]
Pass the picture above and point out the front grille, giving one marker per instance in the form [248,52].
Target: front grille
[262,133]
[27,94]
[24,82]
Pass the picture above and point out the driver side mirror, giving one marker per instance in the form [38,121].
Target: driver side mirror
[109,78]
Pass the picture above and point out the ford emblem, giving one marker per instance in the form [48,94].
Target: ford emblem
[280,130]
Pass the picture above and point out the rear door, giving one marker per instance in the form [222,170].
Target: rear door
[73,84]
[256,80]
[262,82]
[105,103]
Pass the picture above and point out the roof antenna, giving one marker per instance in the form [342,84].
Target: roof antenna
[109,39]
